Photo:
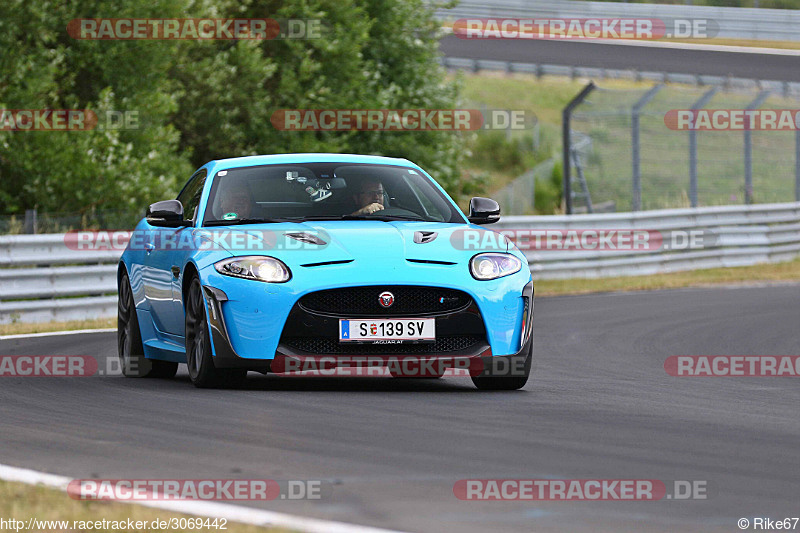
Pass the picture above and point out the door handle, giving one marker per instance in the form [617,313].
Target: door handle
[149,247]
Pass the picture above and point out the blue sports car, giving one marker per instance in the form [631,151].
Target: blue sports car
[300,262]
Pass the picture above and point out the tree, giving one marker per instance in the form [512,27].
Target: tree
[42,67]
[373,54]
[202,100]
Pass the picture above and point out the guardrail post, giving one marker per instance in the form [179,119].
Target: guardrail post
[566,115]
[700,103]
[31,222]
[637,175]
[797,165]
[748,150]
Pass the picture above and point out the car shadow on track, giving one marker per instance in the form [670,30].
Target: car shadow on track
[275,383]
[258,382]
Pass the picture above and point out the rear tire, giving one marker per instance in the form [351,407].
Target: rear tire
[129,340]
[199,359]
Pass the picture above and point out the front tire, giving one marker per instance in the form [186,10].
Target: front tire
[199,359]
[499,383]
[129,340]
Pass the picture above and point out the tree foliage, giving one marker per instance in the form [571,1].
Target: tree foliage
[204,100]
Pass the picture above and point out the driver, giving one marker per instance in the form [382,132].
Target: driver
[236,200]
[369,197]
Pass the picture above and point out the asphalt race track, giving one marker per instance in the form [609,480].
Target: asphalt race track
[599,405]
[620,56]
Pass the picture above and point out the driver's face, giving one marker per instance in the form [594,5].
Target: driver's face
[371,193]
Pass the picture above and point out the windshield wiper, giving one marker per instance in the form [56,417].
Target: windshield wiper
[237,221]
[382,218]
[385,218]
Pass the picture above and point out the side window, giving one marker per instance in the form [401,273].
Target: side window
[190,195]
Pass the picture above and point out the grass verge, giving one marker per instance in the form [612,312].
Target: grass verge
[22,502]
[748,43]
[768,272]
[19,328]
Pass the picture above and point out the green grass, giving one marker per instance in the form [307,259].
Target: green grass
[769,272]
[43,327]
[21,502]
[750,43]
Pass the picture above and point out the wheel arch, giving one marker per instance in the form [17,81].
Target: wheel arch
[122,268]
[189,272]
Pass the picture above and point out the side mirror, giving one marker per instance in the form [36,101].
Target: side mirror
[166,214]
[483,211]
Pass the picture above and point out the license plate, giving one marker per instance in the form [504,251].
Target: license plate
[395,329]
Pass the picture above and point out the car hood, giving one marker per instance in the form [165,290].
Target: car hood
[334,241]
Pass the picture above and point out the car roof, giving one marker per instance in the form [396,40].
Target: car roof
[278,159]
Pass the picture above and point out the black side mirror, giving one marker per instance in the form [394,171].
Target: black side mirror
[483,211]
[166,214]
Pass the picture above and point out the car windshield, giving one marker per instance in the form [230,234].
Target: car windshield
[325,191]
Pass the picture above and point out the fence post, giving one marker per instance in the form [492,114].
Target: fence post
[700,103]
[637,175]
[748,150]
[566,114]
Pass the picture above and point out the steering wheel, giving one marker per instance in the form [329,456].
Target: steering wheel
[398,211]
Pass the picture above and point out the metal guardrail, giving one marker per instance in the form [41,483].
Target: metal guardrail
[731,236]
[734,22]
[785,88]
[41,279]
[44,280]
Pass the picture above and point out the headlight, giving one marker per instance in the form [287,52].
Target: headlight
[258,268]
[493,266]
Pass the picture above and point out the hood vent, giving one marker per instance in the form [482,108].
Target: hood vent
[422,237]
[309,238]
[431,262]
[325,263]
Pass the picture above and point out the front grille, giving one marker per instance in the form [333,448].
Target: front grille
[317,345]
[364,301]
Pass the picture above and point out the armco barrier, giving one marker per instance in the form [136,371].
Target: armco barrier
[734,22]
[731,236]
[731,83]
[43,280]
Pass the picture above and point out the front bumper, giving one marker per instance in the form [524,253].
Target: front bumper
[478,358]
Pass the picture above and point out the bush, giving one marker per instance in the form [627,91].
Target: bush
[549,193]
